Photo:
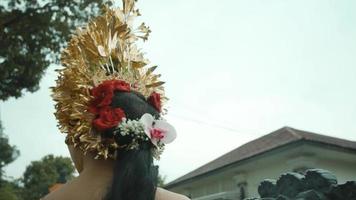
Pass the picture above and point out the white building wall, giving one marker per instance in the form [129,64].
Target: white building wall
[271,166]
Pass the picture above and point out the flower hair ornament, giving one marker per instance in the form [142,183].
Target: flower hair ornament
[100,59]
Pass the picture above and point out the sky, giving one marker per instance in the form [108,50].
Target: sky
[234,69]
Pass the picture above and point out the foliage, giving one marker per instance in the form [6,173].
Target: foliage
[7,192]
[40,175]
[10,190]
[8,153]
[161,180]
[31,37]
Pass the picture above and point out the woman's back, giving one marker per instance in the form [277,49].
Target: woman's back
[77,193]
[95,180]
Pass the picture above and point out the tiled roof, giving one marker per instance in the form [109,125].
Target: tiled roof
[54,187]
[278,138]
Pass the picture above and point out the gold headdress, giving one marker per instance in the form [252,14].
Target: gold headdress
[104,50]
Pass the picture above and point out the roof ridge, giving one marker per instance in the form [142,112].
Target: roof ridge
[293,131]
[305,133]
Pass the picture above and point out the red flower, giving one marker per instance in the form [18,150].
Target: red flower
[121,85]
[104,93]
[108,118]
[155,101]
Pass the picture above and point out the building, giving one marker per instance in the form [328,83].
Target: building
[236,174]
[55,186]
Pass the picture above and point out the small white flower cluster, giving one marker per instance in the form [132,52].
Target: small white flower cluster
[133,128]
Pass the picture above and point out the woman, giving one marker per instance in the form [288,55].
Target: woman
[131,176]
[110,104]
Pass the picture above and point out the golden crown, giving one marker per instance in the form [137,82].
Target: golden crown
[105,49]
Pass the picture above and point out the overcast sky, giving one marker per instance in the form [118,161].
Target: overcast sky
[235,70]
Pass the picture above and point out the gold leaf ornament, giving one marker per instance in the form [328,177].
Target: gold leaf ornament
[102,50]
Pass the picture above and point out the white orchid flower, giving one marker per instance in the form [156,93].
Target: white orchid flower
[158,130]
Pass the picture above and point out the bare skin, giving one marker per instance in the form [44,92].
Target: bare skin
[94,179]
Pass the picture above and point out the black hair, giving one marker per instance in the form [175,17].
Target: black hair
[134,176]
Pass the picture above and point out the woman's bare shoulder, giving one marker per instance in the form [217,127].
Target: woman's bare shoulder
[163,194]
[60,193]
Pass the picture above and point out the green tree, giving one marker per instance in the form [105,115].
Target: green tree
[7,193]
[161,180]
[40,175]
[32,33]
[10,190]
[8,153]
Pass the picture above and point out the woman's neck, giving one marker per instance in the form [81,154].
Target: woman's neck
[97,168]
[93,181]
[91,184]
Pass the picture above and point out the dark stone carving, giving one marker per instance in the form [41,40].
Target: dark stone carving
[290,184]
[344,191]
[268,188]
[316,184]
